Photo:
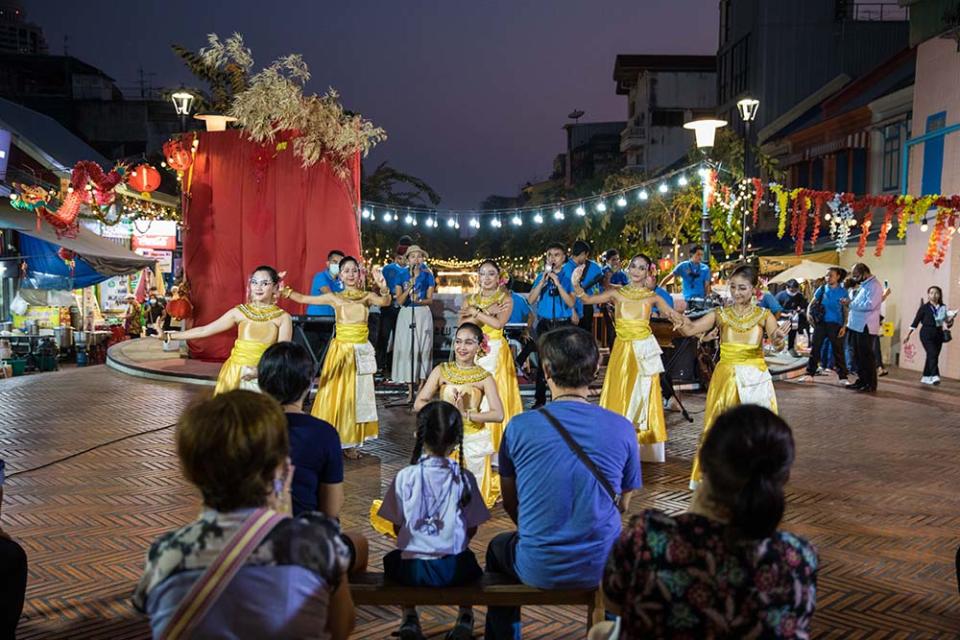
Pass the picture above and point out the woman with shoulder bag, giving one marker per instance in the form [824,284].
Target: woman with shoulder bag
[934,320]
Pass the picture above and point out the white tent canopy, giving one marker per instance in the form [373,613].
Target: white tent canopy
[806,270]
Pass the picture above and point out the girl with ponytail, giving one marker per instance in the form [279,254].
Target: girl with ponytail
[731,573]
[434,510]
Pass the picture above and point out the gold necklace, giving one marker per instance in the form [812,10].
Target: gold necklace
[631,292]
[260,314]
[742,322]
[479,300]
[455,374]
[352,294]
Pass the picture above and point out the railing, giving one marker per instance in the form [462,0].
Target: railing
[632,137]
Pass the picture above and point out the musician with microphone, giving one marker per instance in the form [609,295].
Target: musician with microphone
[552,293]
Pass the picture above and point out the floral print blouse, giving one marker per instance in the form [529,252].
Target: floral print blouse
[677,577]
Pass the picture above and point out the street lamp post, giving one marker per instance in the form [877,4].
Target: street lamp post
[748,111]
[706,131]
[182,104]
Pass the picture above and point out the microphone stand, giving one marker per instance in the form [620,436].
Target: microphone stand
[414,358]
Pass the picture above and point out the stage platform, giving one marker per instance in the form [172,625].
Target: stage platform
[145,358]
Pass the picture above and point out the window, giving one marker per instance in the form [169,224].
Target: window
[890,171]
[666,118]
[933,155]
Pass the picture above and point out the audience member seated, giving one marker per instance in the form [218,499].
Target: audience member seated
[13,577]
[568,518]
[721,570]
[292,583]
[286,372]
[435,506]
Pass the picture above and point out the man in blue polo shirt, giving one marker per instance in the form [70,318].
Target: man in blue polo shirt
[567,521]
[592,280]
[613,273]
[552,294]
[829,318]
[327,281]
[694,274]
[395,273]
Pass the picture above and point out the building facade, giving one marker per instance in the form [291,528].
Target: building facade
[16,34]
[663,92]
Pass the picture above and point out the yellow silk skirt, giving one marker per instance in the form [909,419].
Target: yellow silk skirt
[499,362]
[724,393]
[245,353]
[623,370]
[476,459]
[336,400]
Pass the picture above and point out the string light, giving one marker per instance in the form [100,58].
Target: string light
[517,220]
[538,218]
[663,188]
[451,222]
[558,214]
[475,223]
[621,201]
[601,206]
[387,217]
[643,195]
[682,181]
[365,213]
[581,211]
[924,226]
[408,219]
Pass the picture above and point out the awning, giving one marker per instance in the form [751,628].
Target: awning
[776,264]
[103,256]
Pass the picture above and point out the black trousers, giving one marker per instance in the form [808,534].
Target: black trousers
[932,340]
[13,586]
[827,331]
[503,623]
[586,320]
[543,326]
[866,358]
[388,324]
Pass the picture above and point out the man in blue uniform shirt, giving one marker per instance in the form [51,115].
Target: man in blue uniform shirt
[552,293]
[395,273]
[327,281]
[592,280]
[694,274]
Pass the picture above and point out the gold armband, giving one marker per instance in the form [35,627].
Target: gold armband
[286,292]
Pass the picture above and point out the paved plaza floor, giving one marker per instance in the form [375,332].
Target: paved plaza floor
[95,479]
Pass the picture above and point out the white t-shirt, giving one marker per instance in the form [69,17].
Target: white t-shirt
[423,500]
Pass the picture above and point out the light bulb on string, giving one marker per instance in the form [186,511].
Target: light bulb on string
[538,218]
[517,220]
[663,188]
[621,201]
[682,181]
[558,214]
[429,222]
[643,195]
[451,222]
[365,213]
[703,173]
[475,223]
[388,217]
[601,206]
[493,223]
[580,211]
[408,219]
[924,226]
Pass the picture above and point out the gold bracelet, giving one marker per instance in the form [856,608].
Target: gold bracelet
[286,292]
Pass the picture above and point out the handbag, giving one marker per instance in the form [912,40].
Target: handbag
[585,459]
[817,311]
[210,586]
[947,335]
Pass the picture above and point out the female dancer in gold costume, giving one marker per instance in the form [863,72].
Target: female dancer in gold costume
[490,308]
[345,395]
[741,376]
[260,323]
[632,383]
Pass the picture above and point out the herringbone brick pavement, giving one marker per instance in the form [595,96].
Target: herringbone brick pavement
[874,487]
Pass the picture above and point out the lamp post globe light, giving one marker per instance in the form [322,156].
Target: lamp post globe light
[748,108]
[182,104]
[706,133]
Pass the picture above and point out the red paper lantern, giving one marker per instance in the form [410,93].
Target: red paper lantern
[178,155]
[144,178]
[66,254]
[666,264]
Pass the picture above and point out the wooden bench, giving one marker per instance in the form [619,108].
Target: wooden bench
[492,591]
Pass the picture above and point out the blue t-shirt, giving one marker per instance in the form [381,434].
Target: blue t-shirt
[767,301]
[550,306]
[395,275]
[425,280]
[694,278]
[663,293]
[567,521]
[591,280]
[521,308]
[323,279]
[316,456]
[619,278]
[831,302]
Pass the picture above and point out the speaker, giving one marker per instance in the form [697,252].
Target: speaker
[680,361]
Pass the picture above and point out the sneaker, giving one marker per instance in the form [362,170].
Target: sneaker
[882,372]
[410,629]
[926,380]
[935,379]
[463,630]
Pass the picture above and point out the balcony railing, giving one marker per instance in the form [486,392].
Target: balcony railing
[632,137]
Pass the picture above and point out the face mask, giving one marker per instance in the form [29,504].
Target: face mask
[334,269]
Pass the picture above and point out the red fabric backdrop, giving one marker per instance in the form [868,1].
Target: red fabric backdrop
[251,205]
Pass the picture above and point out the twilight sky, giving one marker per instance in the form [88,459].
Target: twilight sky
[473,95]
